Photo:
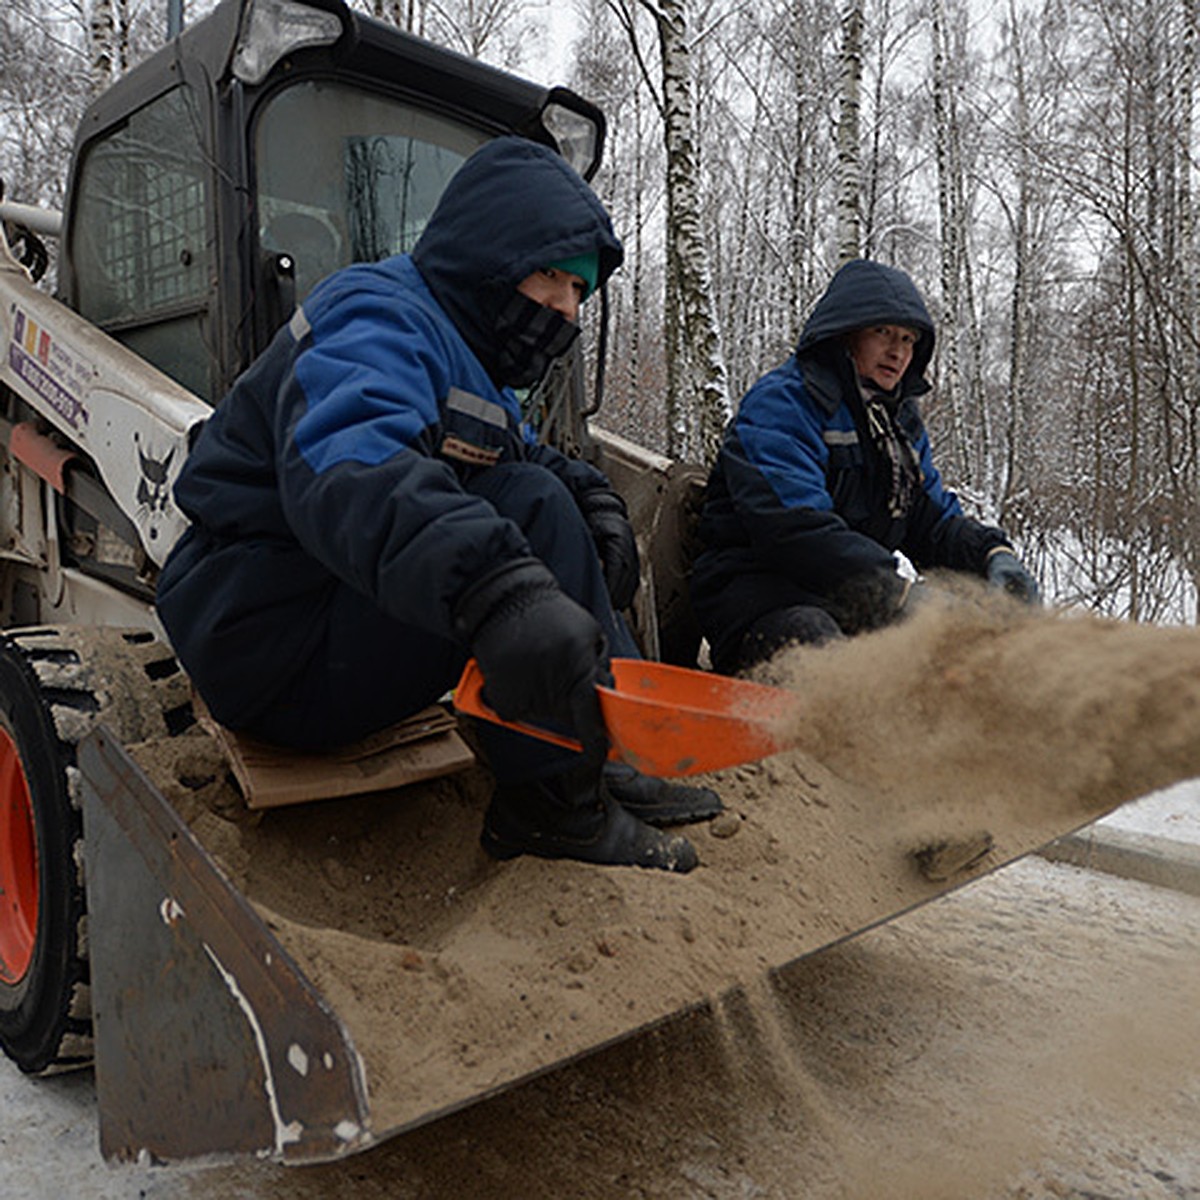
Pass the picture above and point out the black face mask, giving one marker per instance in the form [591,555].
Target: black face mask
[529,336]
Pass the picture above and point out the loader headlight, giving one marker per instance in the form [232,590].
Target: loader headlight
[272,29]
[579,134]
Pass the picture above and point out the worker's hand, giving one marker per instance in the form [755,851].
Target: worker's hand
[1006,571]
[540,652]
[608,519]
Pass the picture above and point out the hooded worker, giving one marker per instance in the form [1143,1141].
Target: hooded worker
[367,512]
[824,474]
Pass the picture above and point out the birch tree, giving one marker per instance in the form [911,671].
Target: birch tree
[408,15]
[812,80]
[951,225]
[697,389]
[849,161]
[103,30]
[1019,209]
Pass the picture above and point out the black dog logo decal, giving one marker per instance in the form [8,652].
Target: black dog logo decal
[153,491]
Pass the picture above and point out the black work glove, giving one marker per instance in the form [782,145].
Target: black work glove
[608,519]
[1005,570]
[540,652]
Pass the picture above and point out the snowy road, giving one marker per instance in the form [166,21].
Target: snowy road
[1034,1035]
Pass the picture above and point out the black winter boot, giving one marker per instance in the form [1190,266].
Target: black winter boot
[659,801]
[573,816]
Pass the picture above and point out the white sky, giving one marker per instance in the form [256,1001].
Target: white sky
[551,64]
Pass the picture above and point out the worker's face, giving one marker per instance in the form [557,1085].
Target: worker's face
[882,353]
[559,290]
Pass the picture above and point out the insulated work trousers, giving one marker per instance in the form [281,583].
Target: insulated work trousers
[371,671]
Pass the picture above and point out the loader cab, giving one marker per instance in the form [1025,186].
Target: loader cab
[342,175]
[271,143]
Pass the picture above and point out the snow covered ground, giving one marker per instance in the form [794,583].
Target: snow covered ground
[1172,813]
[993,994]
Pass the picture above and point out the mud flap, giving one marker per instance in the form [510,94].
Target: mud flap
[209,1040]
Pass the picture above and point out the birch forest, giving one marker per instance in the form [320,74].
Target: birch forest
[1029,162]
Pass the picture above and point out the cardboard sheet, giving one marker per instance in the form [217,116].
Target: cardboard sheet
[424,746]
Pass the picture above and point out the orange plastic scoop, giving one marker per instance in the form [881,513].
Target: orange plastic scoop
[669,720]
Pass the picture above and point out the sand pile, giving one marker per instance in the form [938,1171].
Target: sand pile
[971,724]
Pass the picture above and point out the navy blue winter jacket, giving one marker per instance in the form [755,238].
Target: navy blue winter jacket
[337,457]
[797,510]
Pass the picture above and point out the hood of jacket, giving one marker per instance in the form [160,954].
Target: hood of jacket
[513,207]
[864,293]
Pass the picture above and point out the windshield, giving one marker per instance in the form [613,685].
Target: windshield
[348,176]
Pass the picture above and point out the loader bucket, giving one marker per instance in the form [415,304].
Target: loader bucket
[402,974]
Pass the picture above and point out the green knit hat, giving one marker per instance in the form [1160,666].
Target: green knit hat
[586,266]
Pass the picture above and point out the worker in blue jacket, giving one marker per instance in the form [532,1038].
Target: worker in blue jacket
[366,511]
[824,474]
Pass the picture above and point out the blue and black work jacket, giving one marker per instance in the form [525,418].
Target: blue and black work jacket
[338,458]
[798,509]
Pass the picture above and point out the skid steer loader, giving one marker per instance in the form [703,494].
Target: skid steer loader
[210,189]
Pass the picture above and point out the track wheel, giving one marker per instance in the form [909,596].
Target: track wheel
[55,684]
[42,972]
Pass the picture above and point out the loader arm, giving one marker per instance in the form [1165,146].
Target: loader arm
[90,419]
